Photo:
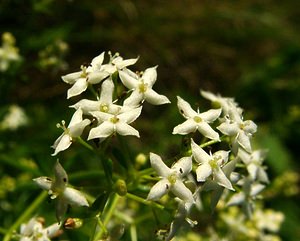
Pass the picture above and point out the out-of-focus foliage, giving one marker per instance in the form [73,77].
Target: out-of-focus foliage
[247,49]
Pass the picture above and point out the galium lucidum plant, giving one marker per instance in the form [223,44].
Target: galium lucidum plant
[218,160]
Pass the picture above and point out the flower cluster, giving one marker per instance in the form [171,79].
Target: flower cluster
[8,52]
[112,114]
[218,157]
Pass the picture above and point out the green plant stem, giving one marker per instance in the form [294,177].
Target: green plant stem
[3,230]
[85,144]
[108,216]
[146,202]
[26,214]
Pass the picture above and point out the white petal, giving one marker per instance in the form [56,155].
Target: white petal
[244,141]
[128,80]
[97,61]
[61,178]
[253,170]
[210,115]
[155,99]
[97,76]
[126,130]
[77,129]
[63,144]
[256,188]
[102,131]
[74,197]
[189,126]
[199,154]
[159,189]
[76,118]
[71,78]
[150,76]
[181,191]
[131,115]
[221,179]
[230,129]
[79,86]
[52,230]
[135,99]
[208,95]
[183,166]
[236,199]
[127,62]
[159,166]
[249,126]
[203,172]
[101,116]
[87,105]
[244,156]
[222,157]
[61,208]
[185,108]
[107,89]
[206,130]
[43,182]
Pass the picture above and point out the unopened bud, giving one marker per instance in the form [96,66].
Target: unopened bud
[72,223]
[121,187]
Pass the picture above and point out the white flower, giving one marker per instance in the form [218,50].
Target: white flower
[171,178]
[246,197]
[110,124]
[80,80]
[211,165]
[253,162]
[8,52]
[34,231]
[241,131]
[74,129]
[117,63]
[58,189]
[229,106]
[103,104]
[15,118]
[141,87]
[196,121]
[268,219]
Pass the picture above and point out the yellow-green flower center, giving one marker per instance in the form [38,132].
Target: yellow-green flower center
[172,178]
[114,119]
[143,87]
[197,119]
[83,72]
[104,107]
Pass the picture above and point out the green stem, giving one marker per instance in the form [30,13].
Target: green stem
[3,230]
[108,216]
[85,144]
[146,202]
[36,203]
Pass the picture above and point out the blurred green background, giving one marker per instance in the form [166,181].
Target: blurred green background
[249,50]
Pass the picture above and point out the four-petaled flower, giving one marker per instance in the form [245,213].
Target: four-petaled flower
[115,123]
[211,165]
[141,87]
[196,121]
[74,129]
[34,230]
[172,178]
[241,131]
[59,189]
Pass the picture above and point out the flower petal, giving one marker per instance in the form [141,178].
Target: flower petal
[229,129]
[102,131]
[43,182]
[63,144]
[130,115]
[159,166]
[183,166]
[61,178]
[96,77]
[87,105]
[203,172]
[126,130]
[159,189]
[236,199]
[154,98]
[181,191]
[77,129]
[199,154]
[210,115]
[150,76]
[107,89]
[189,126]
[206,130]
[79,86]
[221,179]
[244,140]
[71,78]
[185,108]
[135,99]
[128,79]
[74,197]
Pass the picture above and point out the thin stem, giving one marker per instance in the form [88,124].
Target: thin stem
[36,203]
[133,232]
[108,216]
[85,144]
[146,202]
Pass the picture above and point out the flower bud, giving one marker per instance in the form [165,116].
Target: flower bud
[121,187]
[72,223]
